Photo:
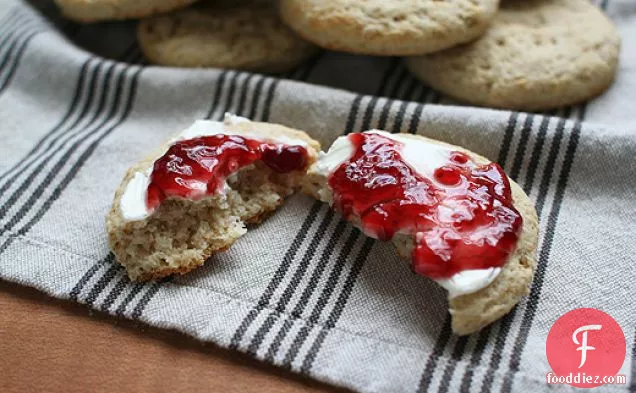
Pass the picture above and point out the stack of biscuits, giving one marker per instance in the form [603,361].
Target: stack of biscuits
[514,54]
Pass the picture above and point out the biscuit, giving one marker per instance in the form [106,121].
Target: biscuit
[471,312]
[388,27]
[246,35]
[100,10]
[183,233]
[538,54]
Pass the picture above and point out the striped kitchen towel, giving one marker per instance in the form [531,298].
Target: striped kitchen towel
[305,290]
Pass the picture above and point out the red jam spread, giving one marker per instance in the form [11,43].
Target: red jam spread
[461,220]
[197,167]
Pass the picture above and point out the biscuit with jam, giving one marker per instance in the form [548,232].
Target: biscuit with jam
[453,214]
[193,198]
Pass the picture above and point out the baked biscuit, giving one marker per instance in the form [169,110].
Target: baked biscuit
[470,312]
[100,10]
[538,54]
[181,233]
[246,35]
[388,27]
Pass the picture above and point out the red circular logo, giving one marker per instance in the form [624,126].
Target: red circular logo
[585,348]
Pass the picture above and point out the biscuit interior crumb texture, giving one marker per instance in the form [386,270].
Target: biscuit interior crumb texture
[471,312]
[243,35]
[101,10]
[182,234]
[537,54]
[388,27]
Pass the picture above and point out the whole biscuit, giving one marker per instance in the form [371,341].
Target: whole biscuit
[99,10]
[246,35]
[538,54]
[388,27]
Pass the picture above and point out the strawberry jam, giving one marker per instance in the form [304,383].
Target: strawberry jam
[198,167]
[461,219]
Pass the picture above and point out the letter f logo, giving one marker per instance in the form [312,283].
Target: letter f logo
[584,347]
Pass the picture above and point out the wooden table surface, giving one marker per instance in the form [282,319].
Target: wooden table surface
[47,345]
